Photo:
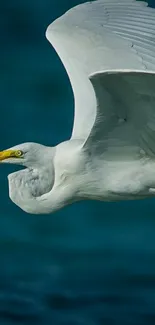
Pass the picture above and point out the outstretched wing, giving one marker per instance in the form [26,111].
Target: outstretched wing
[125,119]
[98,36]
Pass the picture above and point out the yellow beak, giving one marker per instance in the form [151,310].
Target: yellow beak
[7,154]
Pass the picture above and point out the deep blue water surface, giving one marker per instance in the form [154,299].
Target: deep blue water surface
[92,263]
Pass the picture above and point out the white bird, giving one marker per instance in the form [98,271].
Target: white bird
[108,50]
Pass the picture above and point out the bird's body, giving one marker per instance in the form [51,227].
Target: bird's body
[100,178]
[108,50]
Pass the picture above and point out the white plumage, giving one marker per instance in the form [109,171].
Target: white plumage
[108,50]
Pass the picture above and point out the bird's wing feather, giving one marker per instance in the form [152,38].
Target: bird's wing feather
[97,36]
[125,119]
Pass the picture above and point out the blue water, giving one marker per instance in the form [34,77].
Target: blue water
[92,263]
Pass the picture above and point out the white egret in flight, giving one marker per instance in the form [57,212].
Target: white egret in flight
[108,50]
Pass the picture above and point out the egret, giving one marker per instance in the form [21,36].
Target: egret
[108,50]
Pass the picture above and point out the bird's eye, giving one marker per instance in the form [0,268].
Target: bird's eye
[18,153]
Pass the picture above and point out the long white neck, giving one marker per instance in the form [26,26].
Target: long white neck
[54,183]
[47,187]
[27,191]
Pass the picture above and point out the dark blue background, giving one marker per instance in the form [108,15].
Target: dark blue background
[91,263]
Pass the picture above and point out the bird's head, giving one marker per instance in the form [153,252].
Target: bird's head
[27,154]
